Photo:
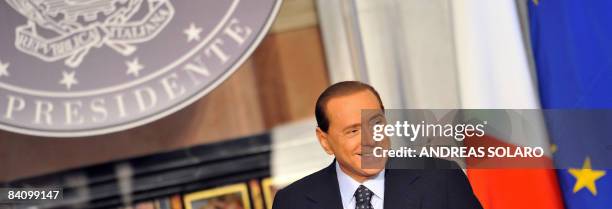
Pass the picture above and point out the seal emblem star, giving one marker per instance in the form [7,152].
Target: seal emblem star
[68,79]
[4,69]
[134,67]
[193,33]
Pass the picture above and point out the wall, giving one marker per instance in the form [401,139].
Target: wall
[278,84]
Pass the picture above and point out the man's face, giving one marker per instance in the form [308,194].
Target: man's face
[343,138]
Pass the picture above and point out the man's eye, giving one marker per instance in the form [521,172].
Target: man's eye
[352,131]
[377,121]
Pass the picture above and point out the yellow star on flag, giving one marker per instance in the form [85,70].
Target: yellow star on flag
[586,177]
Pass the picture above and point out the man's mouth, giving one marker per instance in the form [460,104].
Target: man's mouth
[365,154]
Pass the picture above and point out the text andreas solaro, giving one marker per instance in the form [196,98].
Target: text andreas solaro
[450,140]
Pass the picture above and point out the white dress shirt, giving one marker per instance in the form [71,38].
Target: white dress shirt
[348,186]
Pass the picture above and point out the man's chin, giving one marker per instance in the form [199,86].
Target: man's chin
[371,162]
[371,171]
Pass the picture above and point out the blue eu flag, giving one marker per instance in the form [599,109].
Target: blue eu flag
[572,47]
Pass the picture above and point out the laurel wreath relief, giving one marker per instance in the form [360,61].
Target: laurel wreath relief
[80,27]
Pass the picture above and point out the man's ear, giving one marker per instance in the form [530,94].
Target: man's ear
[323,140]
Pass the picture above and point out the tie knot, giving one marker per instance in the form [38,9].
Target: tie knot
[363,195]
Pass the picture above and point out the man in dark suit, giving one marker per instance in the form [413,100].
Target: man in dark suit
[346,184]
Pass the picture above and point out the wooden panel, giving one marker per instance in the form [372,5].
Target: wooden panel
[305,73]
[291,73]
[269,82]
[295,14]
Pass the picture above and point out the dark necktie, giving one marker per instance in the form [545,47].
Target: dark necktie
[363,196]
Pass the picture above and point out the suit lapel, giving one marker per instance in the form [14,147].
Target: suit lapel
[398,193]
[325,192]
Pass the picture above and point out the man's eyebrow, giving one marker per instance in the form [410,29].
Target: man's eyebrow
[376,116]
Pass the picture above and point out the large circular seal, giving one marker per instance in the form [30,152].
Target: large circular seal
[86,67]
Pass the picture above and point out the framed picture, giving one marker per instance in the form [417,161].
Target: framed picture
[234,196]
[257,200]
[269,190]
[172,202]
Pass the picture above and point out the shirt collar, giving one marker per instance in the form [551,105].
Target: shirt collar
[348,185]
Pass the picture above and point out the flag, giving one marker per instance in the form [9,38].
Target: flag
[493,73]
[572,48]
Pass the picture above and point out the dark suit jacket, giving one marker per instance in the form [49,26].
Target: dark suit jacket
[404,189]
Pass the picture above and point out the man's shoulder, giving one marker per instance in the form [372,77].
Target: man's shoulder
[307,182]
[426,163]
[426,169]
[295,195]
